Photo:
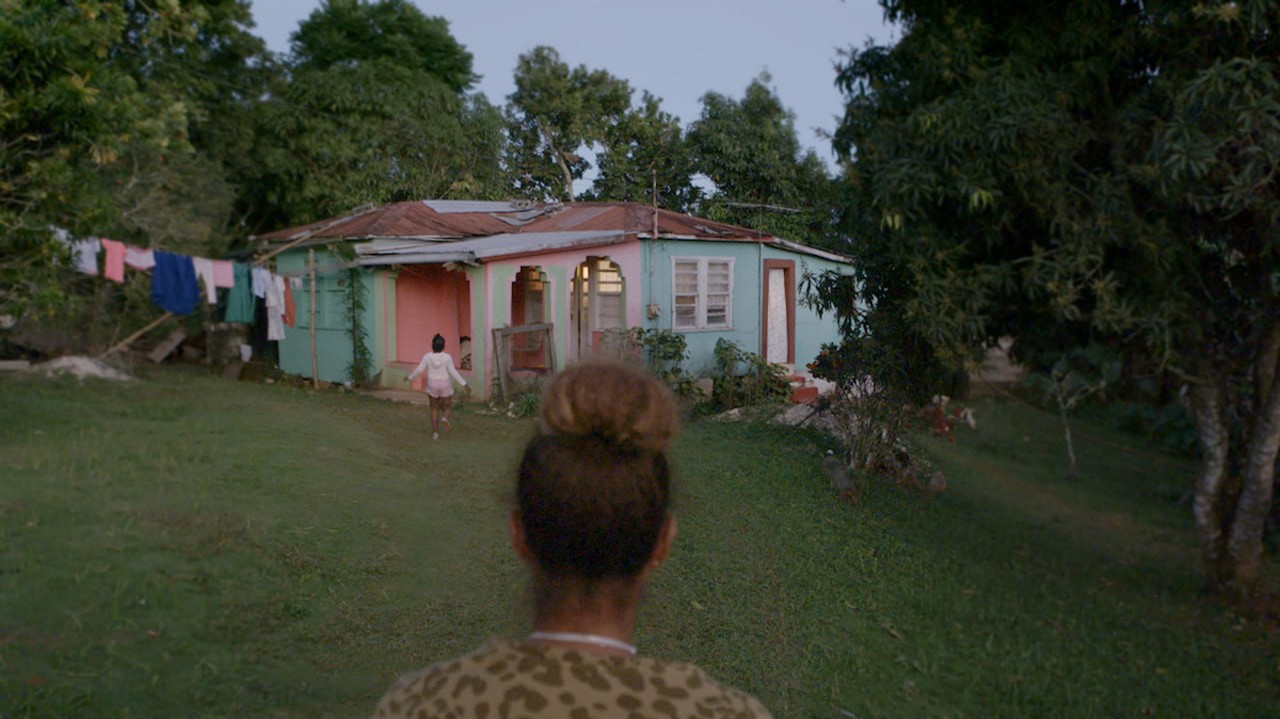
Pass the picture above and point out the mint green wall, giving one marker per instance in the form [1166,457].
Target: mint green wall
[748,282]
[811,331]
[333,344]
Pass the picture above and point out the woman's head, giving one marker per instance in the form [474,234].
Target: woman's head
[594,487]
[437,343]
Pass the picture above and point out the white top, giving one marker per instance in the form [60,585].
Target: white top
[437,365]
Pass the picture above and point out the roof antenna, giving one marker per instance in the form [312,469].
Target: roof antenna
[654,170]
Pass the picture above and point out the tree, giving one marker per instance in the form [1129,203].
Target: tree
[554,113]
[97,100]
[749,149]
[358,31]
[374,111]
[645,147]
[1100,172]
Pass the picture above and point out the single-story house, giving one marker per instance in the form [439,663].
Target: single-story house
[464,269]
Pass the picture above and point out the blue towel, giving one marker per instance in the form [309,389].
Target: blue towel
[173,283]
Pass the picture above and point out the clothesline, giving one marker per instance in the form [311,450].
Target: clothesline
[176,281]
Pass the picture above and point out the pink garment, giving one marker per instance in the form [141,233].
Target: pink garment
[113,260]
[204,270]
[224,273]
[439,388]
[139,258]
[290,310]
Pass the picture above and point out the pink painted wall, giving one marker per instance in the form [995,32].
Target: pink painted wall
[626,255]
[430,300]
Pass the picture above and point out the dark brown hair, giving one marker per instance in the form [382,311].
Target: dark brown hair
[437,343]
[594,485]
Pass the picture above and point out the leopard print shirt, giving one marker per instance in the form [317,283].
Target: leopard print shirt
[504,680]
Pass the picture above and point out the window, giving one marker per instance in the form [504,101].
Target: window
[702,293]
[331,303]
[606,307]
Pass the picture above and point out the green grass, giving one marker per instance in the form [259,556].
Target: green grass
[185,546]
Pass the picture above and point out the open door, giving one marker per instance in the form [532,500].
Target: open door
[779,341]
[597,304]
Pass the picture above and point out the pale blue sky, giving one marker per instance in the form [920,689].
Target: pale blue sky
[675,50]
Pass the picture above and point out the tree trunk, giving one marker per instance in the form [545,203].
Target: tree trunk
[568,177]
[1212,433]
[1232,506]
[1250,518]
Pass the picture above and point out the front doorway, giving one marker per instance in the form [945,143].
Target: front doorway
[779,312]
[597,304]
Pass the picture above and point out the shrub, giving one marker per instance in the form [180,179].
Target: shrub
[664,353]
[744,378]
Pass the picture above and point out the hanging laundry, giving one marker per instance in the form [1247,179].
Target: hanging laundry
[173,283]
[204,270]
[275,307]
[86,255]
[261,281]
[240,301]
[223,274]
[139,258]
[290,309]
[113,260]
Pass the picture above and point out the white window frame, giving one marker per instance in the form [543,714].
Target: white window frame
[701,301]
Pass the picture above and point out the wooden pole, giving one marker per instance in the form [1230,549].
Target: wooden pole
[129,340]
[315,364]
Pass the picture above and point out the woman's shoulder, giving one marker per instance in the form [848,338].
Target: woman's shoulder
[549,680]
[692,686]
[436,680]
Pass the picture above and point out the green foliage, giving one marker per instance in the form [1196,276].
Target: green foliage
[101,109]
[354,295]
[525,401]
[554,111]
[396,31]
[362,122]
[1168,425]
[665,352]
[361,367]
[749,149]
[1076,173]
[645,146]
[744,378]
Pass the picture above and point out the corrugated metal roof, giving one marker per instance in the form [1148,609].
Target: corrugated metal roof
[449,207]
[486,248]
[399,219]
[458,221]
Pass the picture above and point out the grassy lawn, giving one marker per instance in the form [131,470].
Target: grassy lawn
[185,546]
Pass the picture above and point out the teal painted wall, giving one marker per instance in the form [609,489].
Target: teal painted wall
[748,281]
[812,331]
[333,344]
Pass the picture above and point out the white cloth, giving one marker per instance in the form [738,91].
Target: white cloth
[204,270]
[139,258]
[86,255]
[437,365]
[275,306]
[261,281]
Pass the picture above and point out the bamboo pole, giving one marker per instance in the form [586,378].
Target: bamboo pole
[315,364]
[129,340]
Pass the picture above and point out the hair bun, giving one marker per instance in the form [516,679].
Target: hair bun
[616,402]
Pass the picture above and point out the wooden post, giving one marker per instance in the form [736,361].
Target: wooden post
[129,340]
[315,364]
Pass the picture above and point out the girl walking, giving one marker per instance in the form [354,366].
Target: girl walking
[441,374]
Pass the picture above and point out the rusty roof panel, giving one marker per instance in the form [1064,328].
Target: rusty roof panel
[398,219]
[461,220]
